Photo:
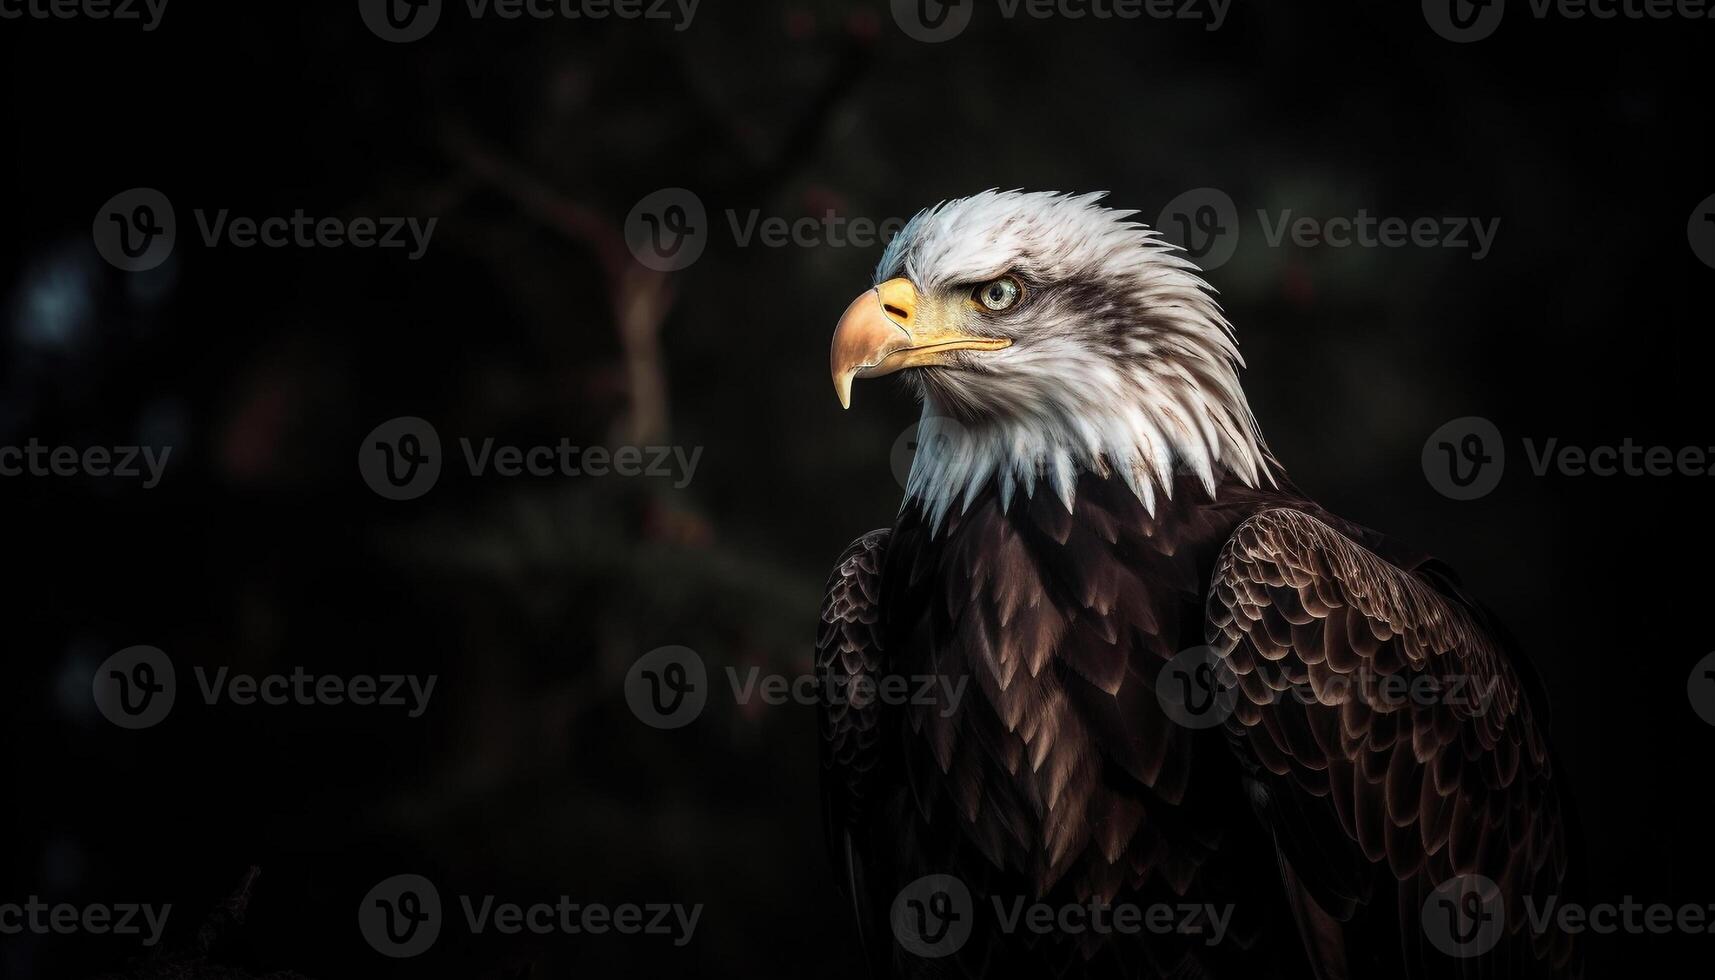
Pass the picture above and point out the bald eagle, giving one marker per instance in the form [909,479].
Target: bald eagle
[1092,509]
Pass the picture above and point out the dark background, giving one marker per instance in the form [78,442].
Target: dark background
[531,141]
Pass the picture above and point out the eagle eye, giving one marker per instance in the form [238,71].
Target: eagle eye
[998,294]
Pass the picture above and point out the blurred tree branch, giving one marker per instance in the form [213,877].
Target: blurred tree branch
[639,298]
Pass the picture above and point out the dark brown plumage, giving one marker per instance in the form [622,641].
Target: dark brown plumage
[1060,776]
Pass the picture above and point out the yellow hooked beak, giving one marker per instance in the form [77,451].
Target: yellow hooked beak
[884,331]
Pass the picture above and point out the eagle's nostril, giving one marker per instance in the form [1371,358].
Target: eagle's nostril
[897,312]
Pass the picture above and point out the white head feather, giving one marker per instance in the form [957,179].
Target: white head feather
[1122,363]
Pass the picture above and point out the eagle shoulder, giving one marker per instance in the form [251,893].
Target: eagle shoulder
[1391,742]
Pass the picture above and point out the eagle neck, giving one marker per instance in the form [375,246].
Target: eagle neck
[957,460]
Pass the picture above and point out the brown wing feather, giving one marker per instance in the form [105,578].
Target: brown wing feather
[1324,638]
[848,653]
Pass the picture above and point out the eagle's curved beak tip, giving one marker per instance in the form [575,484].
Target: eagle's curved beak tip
[865,337]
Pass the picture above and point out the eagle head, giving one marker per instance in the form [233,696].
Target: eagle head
[1047,336]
